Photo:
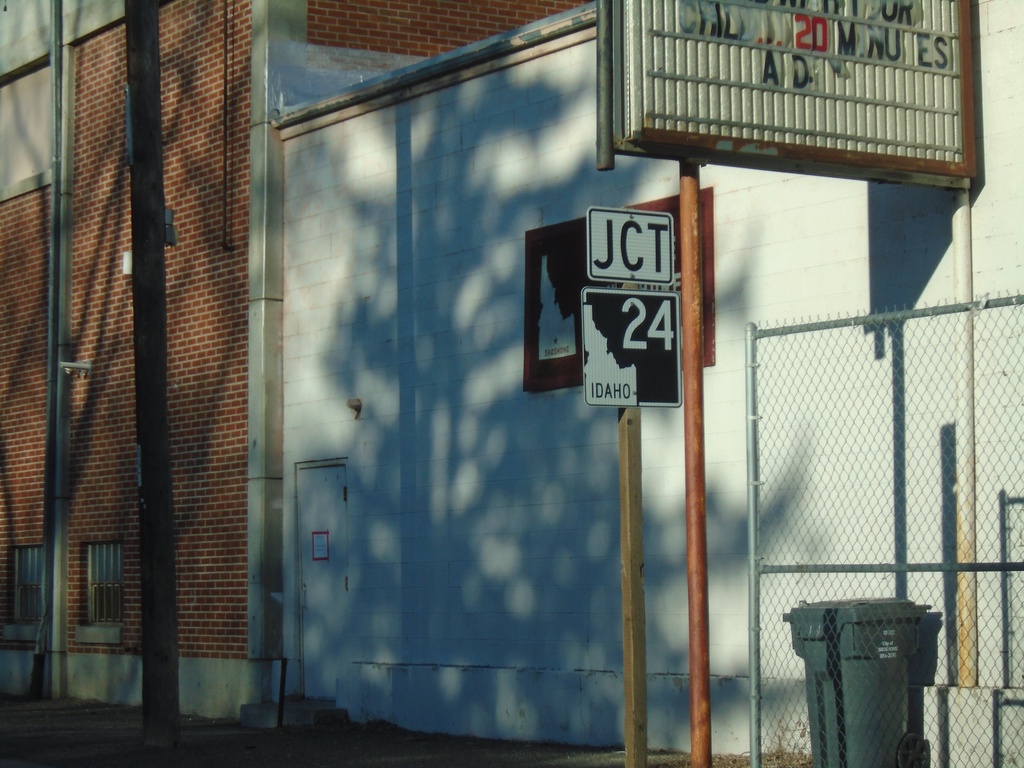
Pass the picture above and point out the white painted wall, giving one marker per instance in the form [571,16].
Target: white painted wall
[25,126]
[25,31]
[483,560]
[999,191]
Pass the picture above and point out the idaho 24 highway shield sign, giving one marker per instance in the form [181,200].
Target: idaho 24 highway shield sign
[631,352]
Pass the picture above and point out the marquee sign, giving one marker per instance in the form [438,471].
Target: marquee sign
[857,88]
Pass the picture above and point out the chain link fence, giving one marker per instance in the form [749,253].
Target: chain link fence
[886,500]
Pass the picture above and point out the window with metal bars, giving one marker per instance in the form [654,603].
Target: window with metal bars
[28,583]
[105,582]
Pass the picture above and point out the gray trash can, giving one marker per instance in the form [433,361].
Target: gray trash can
[856,656]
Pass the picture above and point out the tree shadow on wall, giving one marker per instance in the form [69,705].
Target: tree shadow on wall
[484,569]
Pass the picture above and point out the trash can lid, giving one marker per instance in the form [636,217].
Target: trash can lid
[808,619]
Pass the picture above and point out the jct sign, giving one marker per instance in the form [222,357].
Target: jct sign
[629,246]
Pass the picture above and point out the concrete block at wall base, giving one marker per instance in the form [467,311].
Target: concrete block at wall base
[219,687]
[112,678]
[491,702]
[668,718]
[570,707]
[15,672]
[207,687]
[974,726]
[304,712]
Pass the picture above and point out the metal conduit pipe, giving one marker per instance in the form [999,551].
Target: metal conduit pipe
[50,635]
[605,86]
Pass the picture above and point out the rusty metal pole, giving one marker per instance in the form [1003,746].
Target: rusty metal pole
[692,324]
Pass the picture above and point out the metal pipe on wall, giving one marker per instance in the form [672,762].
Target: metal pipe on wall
[605,86]
[51,635]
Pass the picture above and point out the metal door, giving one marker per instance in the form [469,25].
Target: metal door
[322,499]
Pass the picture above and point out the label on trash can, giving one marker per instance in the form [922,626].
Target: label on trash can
[887,649]
[884,629]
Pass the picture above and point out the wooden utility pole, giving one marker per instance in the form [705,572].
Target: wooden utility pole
[160,717]
[634,614]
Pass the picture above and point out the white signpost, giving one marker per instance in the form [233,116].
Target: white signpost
[631,347]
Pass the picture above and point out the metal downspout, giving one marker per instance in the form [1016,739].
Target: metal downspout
[50,634]
[605,86]
[271,21]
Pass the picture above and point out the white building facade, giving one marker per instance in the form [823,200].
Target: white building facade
[452,540]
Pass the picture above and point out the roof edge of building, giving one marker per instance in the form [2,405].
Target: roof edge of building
[460,65]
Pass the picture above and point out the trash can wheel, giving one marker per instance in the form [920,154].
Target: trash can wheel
[913,752]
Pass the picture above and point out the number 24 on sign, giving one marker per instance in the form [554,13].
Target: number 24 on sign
[660,327]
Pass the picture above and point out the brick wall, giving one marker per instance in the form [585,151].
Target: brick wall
[420,28]
[102,441]
[24,223]
[206,122]
[206,113]
[206,183]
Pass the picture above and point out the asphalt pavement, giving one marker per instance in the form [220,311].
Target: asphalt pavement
[69,733]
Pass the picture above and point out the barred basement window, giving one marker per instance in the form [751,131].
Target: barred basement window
[28,583]
[105,582]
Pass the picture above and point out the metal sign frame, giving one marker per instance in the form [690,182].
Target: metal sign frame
[864,89]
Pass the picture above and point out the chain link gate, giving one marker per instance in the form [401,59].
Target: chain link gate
[886,524]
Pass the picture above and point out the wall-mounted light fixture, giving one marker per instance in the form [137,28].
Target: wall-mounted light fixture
[356,405]
[170,231]
[83,368]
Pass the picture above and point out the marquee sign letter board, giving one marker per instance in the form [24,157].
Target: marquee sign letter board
[877,89]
